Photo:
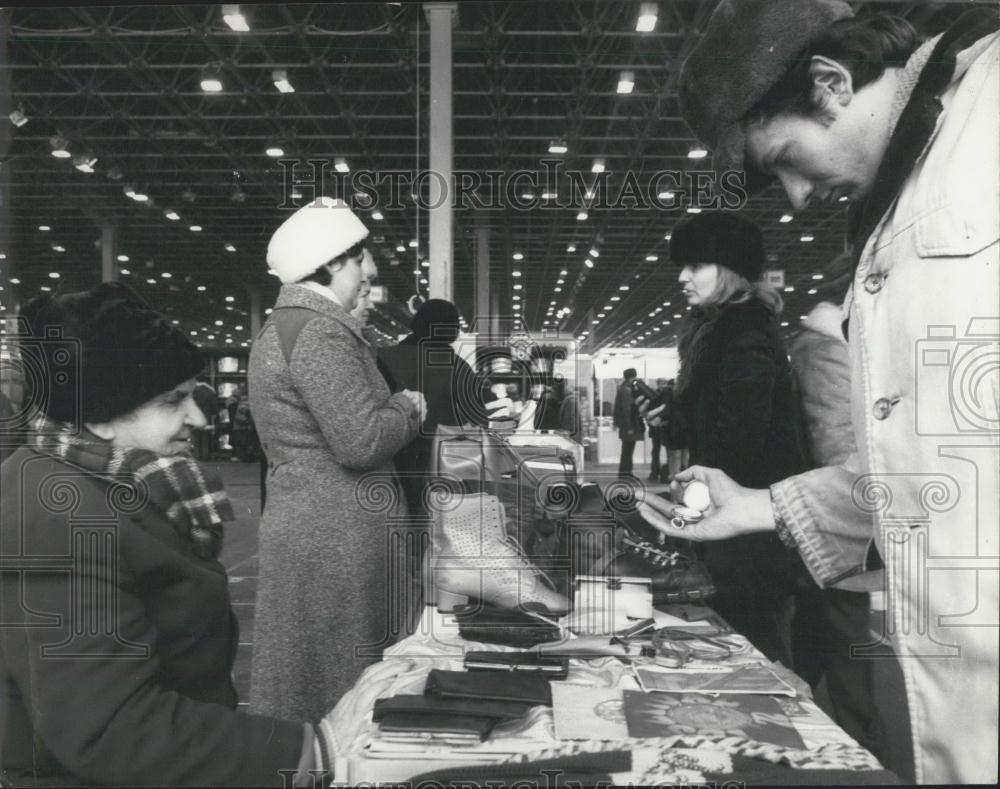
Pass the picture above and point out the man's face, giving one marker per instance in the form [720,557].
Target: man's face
[369,277]
[821,158]
[163,425]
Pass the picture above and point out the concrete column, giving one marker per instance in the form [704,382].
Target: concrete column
[441,18]
[482,279]
[109,266]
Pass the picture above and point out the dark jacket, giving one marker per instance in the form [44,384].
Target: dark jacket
[626,415]
[117,645]
[736,406]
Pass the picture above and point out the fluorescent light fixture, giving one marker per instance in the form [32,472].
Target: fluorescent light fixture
[413,243]
[59,147]
[597,166]
[646,23]
[652,258]
[85,162]
[790,289]
[201,288]
[280,77]
[786,218]
[667,236]
[125,271]
[563,273]
[626,81]
[594,253]
[805,238]
[571,248]
[230,248]
[54,275]
[166,275]
[518,256]
[560,282]
[623,287]
[123,258]
[195,228]
[694,210]
[817,276]
[275,151]
[340,165]
[58,248]
[549,195]
[581,217]
[666,195]
[377,216]
[697,152]
[172,215]
[140,197]
[515,298]
[18,117]
[211,83]
[557,289]
[44,228]
[558,146]
[232,16]
[515,273]
[588,263]
[811,291]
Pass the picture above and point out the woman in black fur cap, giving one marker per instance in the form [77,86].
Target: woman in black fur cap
[735,409]
[119,637]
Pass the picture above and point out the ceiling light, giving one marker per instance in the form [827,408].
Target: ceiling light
[211,83]
[594,253]
[515,273]
[558,146]
[549,195]
[666,195]
[413,244]
[557,289]
[340,165]
[275,151]
[59,147]
[85,162]
[150,281]
[581,217]
[652,258]
[166,275]
[518,256]
[18,117]
[280,77]
[401,248]
[623,287]
[560,282]
[195,228]
[697,152]
[295,194]
[817,276]
[626,81]
[377,216]
[518,286]
[172,215]
[571,248]
[140,197]
[694,210]
[666,236]
[54,275]
[646,22]
[230,299]
[785,218]
[805,238]
[46,288]
[124,271]
[201,288]
[790,289]
[843,199]
[615,298]
[425,264]
[230,248]
[15,281]
[677,315]
[232,16]
[515,298]
[588,263]
[44,228]
[597,166]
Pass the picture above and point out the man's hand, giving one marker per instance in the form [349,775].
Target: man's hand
[652,416]
[419,403]
[735,510]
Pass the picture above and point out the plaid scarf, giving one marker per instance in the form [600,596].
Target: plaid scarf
[195,503]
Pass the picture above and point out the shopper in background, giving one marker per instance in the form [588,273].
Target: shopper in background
[202,438]
[117,671]
[329,426]
[628,422]
[910,133]
[571,413]
[738,409]
[369,279]
[658,432]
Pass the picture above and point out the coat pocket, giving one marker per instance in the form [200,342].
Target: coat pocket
[954,230]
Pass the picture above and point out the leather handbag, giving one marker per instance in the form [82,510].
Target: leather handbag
[527,687]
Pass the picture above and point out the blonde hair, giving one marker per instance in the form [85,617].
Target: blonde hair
[733,288]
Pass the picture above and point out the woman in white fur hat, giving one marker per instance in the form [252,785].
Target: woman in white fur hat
[329,427]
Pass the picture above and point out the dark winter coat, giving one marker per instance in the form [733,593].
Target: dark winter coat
[117,645]
[626,415]
[329,427]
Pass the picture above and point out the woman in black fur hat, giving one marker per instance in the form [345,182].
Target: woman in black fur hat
[736,409]
[119,637]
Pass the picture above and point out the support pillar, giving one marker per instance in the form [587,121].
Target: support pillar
[109,267]
[482,278]
[441,18]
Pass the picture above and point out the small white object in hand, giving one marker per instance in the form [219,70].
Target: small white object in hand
[696,496]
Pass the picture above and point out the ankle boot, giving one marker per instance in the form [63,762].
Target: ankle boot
[474,558]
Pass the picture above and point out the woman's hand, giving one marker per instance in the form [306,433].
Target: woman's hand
[652,416]
[735,510]
[419,403]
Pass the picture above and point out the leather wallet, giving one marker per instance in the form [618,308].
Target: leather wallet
[441,706]
[551,667]
[527,687]
[510,627]
[436,725]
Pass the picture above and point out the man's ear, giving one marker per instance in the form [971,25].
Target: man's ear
[831,82]
[103,430]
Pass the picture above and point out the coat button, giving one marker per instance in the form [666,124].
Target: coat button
[883,407]
[874,282]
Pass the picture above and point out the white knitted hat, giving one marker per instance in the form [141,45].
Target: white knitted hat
[312,236]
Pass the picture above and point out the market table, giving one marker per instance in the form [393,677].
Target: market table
[684,758]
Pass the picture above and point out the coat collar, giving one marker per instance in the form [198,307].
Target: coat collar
[917,123]
[295,295]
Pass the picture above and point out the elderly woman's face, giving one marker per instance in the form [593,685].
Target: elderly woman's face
[347,281]
[699,281]
[163,425]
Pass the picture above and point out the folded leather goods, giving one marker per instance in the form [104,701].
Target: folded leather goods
[508,626]
[430,726]
[550,667]
[527,687]
[439,705]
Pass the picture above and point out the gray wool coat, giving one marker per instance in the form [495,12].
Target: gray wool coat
[329,427]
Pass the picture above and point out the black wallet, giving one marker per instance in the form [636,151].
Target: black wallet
[439,705]
[432,726]
[527,687]
[508,626]
[550,666]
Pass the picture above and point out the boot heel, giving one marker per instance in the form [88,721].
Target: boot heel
[448,601]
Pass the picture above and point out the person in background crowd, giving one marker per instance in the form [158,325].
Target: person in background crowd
[329,427]
[118,672]
[738,409]
[909,132]
[202,438]
[369,279]
[547,413]
[571,412]
[6,433]
[628,422]
[658,432]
